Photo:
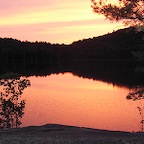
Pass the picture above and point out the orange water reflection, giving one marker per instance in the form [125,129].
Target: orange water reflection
[70,100]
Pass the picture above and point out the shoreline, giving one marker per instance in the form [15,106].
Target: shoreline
[61,134]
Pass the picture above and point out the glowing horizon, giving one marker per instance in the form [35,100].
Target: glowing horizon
[51,21]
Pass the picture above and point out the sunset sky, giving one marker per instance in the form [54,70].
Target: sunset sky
[54,21]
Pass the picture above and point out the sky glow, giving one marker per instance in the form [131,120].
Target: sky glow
[54,21]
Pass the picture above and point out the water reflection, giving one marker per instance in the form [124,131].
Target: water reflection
[67,99]
[70,100]
[11,103]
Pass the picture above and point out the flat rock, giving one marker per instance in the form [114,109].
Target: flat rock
[62,134]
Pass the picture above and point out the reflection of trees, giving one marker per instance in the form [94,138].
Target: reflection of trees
[138,94]
[11,104]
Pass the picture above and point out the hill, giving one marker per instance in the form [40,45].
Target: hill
[117,45]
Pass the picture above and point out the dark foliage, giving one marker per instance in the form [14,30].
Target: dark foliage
[11,104]
[117,45]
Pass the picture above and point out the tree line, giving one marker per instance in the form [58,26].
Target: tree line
[118,45]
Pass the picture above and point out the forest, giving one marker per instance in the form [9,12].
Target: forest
[108,58]
[118,45]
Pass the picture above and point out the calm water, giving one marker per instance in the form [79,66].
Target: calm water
[71,100]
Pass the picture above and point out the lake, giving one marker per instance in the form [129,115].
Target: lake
[71,100]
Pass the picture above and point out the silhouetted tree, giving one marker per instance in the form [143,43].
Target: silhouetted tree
[138,94]
[131,11]
[11,105]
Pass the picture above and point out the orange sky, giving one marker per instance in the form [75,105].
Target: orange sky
[57,21]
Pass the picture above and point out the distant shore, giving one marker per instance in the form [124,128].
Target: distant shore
[62,134]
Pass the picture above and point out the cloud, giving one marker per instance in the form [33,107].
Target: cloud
[14,7]
[58,32]
[52,21]
[59,12]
